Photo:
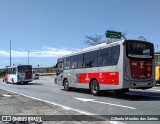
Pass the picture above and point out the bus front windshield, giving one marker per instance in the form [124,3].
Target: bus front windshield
[23,69]
[140,49]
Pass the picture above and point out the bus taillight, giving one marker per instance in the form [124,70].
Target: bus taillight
[28,75]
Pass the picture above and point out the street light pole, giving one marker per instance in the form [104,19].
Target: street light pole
[28,57]
[10,53]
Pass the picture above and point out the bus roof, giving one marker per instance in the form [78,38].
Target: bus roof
[96,47]
[102,45]
[99,46]
[15,66]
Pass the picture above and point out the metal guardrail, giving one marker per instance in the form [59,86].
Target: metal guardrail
[46,74]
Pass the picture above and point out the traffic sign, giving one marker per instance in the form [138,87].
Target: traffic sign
[113,34]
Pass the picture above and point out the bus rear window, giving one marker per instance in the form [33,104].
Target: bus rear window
[139,49]
[24,68]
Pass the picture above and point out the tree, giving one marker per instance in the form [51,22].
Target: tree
[97,39]
[94,40]
[124,35]
[141,38]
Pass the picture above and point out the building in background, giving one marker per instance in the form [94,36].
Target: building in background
[157,58]
[157,68]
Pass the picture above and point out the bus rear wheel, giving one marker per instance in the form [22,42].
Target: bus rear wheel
[66,85]
[26,82]
[95,88]
[12,81]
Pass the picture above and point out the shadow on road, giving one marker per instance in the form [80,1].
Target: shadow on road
[133,95]
[27,84]
[84,91]
[129,96]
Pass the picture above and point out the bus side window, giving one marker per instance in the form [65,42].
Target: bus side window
[67,63]
[73,62]
[104,57]
[90,59]
[115,54]
[14,71]
[59,68]
[9,71]
[80,61]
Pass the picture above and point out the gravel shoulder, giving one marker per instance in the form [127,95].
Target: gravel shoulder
[15,104]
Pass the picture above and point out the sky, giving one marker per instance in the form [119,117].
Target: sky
[52,28]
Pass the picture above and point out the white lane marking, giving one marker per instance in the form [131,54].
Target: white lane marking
[6,95]
[93,100]
[153,90]
[66,107]
[53,103]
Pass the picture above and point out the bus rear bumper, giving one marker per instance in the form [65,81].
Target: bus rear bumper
[24,80]
[141,85]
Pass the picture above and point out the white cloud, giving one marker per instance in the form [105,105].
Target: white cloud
[44,52]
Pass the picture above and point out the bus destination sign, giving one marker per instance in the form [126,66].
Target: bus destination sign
[113,34]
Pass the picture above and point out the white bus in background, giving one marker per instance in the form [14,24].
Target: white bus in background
[116,66]
[17,74]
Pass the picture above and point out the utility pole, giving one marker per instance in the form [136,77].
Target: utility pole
[28,57]
[10,53]
[157,48]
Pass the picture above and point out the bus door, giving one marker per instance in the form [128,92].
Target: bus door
[59,73]
[73,72]
[78,71]
[14,74]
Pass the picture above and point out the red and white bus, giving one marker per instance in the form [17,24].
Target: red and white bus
[17,74]
[118,66]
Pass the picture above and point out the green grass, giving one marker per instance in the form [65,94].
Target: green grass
[1,75]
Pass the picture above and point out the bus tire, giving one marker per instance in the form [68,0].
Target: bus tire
[26,82]
[66,85]
[6,81]
[158,83]
[12,81]
[95,88]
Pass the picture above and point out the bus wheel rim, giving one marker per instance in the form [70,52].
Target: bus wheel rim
[94,88]
[66,85]
[12,81]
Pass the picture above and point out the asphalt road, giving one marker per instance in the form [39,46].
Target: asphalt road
[135,102]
